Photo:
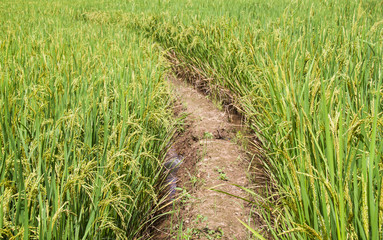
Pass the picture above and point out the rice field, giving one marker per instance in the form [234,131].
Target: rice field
[84,117]
[85,110]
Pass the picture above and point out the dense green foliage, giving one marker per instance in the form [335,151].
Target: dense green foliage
[84,115]
[307,75]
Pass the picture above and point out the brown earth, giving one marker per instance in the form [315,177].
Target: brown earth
[212,160]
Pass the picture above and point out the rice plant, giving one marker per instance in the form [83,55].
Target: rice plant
[308,76]
[84,116]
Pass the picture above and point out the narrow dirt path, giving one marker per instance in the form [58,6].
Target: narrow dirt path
[212,160]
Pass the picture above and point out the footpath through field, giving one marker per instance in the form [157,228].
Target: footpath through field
[213,160]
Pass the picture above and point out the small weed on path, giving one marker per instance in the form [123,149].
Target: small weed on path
[222,175]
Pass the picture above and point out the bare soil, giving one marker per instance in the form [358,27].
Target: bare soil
[213,159]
